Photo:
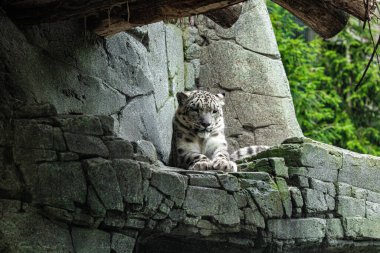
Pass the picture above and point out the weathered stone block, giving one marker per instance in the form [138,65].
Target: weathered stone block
[130,180]
[372,210]
[229,182]
[211,202]
[324,187]
[119,149]
[164,209]
[300,181]
[373,197]
[359,193]
[103,178]
[90,240]
[146,170]
[82,124]
[57,214]
[33,135]
[94,203]
[241,198]
[330,202]
[122,244]
[204,180]
[36,111]
[58,141]
[350,207]
[68,156]
[10,184]
[60,184]
[27,156]
[334,228]
[166,226]
[268,199]
[296,196]
[153,200]
[29,232]
[285,196]
[310,228]
[254,217]
[362,228]
[261,176]
[324,160]
[108,124]
[205,224]
[135,223]
[83,219]
[189,76]
[344,189]
[314,201]
[114,221]
[177,215]
[147,149]
[279,167]
[86,145]
[172,184]
[361,171]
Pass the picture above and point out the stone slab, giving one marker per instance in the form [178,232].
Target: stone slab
[309,228]
[90,240]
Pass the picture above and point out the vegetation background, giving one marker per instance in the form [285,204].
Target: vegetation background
[323,75]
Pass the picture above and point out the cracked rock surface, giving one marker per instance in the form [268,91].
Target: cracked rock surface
[244,62]
[294,197]
[133,76]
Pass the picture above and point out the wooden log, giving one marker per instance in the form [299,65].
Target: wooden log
[107,17]
[225,17]
[362,9]
[325,20]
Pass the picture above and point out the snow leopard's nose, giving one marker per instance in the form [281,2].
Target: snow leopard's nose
[205,124]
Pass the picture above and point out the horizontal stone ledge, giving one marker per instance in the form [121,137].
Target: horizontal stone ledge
[308,228]
[362,228]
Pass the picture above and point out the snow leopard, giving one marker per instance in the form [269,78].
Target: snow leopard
[199,142]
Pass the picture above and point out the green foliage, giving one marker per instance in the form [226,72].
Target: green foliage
[323,75]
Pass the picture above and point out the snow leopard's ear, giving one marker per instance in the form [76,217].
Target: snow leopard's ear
[221,96]
[182,97]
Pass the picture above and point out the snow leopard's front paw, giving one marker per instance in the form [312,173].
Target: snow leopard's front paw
[201,165]
[224,165]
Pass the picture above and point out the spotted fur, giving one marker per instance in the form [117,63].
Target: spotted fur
[247,152]
[199,139]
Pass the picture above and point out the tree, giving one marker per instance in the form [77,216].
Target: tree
[323,75]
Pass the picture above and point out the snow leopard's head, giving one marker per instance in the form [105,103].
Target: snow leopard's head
[200,111]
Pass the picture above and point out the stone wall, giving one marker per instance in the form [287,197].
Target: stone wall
[131,77]
[69,184]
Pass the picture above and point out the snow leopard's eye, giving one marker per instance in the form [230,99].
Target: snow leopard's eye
[214,111]
[194,109]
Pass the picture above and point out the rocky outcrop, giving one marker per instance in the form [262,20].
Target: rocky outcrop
[244,62]
[133,76]
[68,184]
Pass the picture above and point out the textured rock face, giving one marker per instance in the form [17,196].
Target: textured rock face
[130,76]
[73,201]
[134,75]
[244,62]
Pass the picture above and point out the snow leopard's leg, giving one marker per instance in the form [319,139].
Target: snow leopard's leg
[216,146]
[189,153]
